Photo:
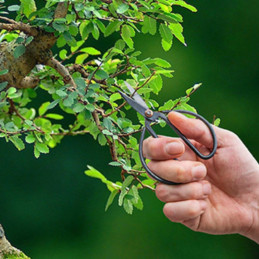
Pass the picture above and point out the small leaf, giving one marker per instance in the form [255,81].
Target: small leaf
[54,116]
[19,51]
[78,107]
[185,5]
[17,142]
[3,72]
[127,205]
[122,8]
[91,51]
[30,139]
[42,147]
[177,30]
[13,8]
[216,122]
[102,140]
[127,33]
[3,85]
[112,27]
[92,172]
[43,108]
[114,163]
[110,199]
[28,6]
[165,33]
[115,97]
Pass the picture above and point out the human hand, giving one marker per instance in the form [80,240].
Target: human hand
[217,196]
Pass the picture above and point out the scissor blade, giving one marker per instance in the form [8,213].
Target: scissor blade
[138,107]
[136,96]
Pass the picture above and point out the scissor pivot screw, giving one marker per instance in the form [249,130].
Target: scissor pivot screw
[149,113]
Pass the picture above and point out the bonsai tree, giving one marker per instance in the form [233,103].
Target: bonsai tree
[44,47]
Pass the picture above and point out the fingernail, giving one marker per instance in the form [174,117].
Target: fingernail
[203,205]
[174,148]
[198,172]
[206,188]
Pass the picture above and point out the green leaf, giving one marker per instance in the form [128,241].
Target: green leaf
[54,116]
[122,8]
[124,188]
[162,63]
[43,108]
[91,51]
[30,139]
[127,205]
[114,163]
[90,107]
[3,72]
[3,85]
[101,139]
[78,107]
[17,142]
[13,8]
[156,84]
[53,104]
[127,33]
[139,204]
[92,172]
[101,74]
[185,5]
[42,147]
[115,97]
[60,27]
[149,25]
[111,199]
[81,58]
[112,27]
[61,93]
[63,54]
[187,107]
[216,122]
[19,51]
[166,45]
[193,89]
[28,6]
[165,33]
[134,192]
[177,30]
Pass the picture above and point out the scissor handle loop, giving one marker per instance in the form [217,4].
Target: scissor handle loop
[186,140]
[182,136]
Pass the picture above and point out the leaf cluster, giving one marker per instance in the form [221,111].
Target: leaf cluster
[95,104]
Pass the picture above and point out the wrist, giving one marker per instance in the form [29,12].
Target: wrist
[253,234]
[253,227]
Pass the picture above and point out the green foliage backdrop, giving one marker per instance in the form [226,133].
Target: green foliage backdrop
[48,206]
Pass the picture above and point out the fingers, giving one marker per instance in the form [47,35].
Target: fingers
[184,210]
[178,171]
[185,202]
[162,148]
[189,191]
[192,128]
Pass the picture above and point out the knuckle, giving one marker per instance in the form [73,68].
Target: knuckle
[153,146]
[162,193]
[152,165]
[180,175]
[193,210]
[196,190]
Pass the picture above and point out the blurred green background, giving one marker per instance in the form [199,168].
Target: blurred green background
[50,209]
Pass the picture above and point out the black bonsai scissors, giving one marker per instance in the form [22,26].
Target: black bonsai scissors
[137,103]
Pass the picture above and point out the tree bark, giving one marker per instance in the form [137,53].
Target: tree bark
[7,250]
[38,51]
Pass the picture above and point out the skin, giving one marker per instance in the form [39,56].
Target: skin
[216,196]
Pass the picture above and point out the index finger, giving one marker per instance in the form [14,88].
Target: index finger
[192,128]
